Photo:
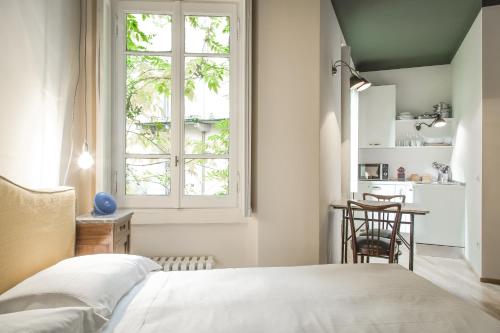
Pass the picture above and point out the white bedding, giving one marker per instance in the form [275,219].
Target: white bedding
[98,281]
[327,298]
[52,320]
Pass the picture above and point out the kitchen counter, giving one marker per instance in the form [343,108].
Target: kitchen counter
[395,182]
[442,184]
[385,181]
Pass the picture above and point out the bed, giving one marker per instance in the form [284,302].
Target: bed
[126,293]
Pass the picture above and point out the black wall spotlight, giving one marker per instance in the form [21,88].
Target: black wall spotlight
[438,122]
[358,82]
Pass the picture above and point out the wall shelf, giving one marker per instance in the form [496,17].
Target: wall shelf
[406,129]
[421,120]
[409,147]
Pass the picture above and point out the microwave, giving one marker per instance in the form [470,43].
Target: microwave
[373,171]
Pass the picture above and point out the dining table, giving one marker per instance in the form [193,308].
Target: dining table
[407,209]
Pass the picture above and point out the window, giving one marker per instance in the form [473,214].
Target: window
[179,110]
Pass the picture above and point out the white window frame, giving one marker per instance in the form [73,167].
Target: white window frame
[239,144]
[189,8]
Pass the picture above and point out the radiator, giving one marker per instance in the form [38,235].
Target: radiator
[185,263]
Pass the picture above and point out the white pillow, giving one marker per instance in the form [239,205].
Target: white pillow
[97,281]
[57,320]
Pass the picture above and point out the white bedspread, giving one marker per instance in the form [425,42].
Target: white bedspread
[327,298]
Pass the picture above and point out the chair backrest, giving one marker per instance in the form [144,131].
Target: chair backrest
[374,242]
[386,198]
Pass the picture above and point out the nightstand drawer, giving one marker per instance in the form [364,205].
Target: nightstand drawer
[94,232]
[85,249]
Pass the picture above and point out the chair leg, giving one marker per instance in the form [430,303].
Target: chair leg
[362,259]
[396,256]
[368,259]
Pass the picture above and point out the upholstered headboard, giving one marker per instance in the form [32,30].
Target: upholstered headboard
[37,229]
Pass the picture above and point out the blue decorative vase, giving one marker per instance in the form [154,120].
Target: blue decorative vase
[104,204]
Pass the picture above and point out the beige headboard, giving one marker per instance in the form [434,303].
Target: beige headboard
[37,229]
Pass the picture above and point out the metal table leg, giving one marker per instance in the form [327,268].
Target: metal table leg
[346,235]
[342,260]
[342,235]
[412,217]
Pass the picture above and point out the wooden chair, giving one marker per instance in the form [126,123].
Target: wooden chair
[385,227]
[385,198]
[369,242]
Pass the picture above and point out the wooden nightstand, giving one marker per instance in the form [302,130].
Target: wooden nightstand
[103,234]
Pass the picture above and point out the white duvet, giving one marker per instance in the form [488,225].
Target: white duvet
[327,298]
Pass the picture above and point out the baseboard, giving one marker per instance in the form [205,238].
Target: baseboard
[488,280]
[442,251]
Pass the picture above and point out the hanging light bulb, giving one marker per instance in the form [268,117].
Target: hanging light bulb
[85,160]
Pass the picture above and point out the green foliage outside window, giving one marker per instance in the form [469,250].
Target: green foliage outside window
[148,93]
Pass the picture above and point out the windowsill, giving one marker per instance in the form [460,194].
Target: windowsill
[161,216]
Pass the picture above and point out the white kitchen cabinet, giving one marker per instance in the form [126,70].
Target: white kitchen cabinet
[385,188]
[382,188]
[406,189]
[377,117]
[375,187]
[445,224]
[363,187]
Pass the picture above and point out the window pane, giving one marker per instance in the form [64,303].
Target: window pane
[206,177]
[206,105]
[149,32]
[148,104]
[147,176]
[207,34]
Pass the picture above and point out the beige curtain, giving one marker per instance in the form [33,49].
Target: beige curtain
[84,118]
[38,67]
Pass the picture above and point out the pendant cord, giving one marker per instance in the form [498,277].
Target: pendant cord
[75,92]
[85,74]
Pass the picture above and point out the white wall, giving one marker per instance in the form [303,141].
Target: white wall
[467,155]
[418,88]
[38,65]
[233,245]
[286,127]
[331,40]
[491,142]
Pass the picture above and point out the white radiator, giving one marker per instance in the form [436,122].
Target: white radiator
[185,263]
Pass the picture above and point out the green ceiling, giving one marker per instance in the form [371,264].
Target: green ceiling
[388,34]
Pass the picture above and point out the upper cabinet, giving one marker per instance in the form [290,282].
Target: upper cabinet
[377,117]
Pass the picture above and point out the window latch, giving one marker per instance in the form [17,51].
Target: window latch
[176,160]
